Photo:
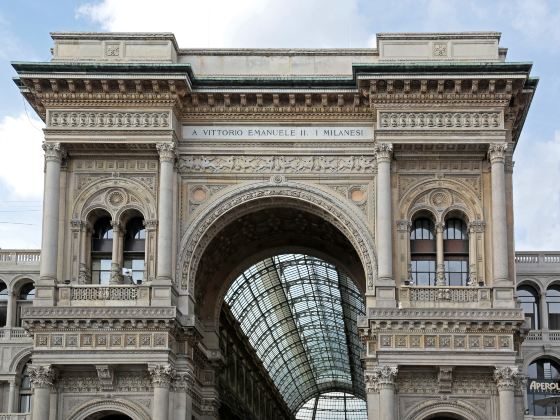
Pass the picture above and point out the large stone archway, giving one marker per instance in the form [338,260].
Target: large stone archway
[268,218]
[100,409]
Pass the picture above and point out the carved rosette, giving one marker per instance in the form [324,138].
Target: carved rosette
[166,152]
[383,152]
[506,377]
[53,152]
[380,377]
[497,152]
[41,376]
[161,375]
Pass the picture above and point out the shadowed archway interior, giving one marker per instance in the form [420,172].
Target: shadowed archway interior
[109,415]
[300,315]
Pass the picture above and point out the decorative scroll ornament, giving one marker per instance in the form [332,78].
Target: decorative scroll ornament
[167,152]
[497,152]
[41,376]
[440,120]
[162,375]
[506,377]
[383,151]
[53,151]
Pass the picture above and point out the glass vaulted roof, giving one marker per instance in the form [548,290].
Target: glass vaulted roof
[300,315]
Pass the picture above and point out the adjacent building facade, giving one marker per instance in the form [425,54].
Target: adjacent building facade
[269,234]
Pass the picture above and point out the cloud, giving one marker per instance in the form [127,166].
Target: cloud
[21,156]
[538,20]
[537,195]
[240,23]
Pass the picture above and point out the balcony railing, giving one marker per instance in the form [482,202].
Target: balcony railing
[537,257]
[538,336]
[15,416]
[13,334]
[20,256]
[429,296]
[96,295]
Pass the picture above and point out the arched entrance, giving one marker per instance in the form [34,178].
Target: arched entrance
[313,255]
[109,415]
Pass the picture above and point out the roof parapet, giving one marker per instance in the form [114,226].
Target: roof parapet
[443,46]
[125,47]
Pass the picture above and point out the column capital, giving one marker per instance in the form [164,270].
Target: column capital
[477,226]
[167,152]
[183,381]
[383,151]
[506,377]
[497,152]
[161,375]
[150,224]
[54,152]
[380,377]
[41,376]
[440,226]
[404,225]
[116,225]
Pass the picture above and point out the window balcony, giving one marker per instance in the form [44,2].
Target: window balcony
[445,297]
[96,295]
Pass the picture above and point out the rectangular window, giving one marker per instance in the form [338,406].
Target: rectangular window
[137,267]
[457,271]
[100,271]
[423,271]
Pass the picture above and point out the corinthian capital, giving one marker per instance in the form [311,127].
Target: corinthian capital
[506,377]
[380,377]
[497,152]
[383,151]
[53,151]
[166,152]
[41,376]
[162,375]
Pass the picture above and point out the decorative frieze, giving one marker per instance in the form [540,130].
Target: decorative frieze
[458,341]
[108,120]
[259,164]
[89,340]
[440,120]
[445,294]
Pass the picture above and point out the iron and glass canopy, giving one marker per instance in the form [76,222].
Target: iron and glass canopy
[300,315]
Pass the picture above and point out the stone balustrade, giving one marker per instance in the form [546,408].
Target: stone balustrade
[96,295]
[537,257]
[445,296]
[20,256]
[542,336]
[15,416]
[13,334]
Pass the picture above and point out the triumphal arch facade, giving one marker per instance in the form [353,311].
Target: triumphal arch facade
[276,234]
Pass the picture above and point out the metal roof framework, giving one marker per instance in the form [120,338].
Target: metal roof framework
[300,315]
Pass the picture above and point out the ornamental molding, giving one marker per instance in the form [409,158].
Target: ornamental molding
[489,315]
[130,408]
[452,340]
[161,375]
[75,313]
[426,409]
[103,120]
[257,164]
[41,376]
[249,197]
[440,120]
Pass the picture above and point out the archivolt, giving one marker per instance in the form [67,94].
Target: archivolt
[123,406]
[135,195]
[460,197]
[428,408]
[247,198]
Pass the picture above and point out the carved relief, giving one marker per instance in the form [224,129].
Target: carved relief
[271,164]
[108,120]
[440,120]
[41,376]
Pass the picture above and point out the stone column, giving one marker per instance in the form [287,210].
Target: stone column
[505,378]
[497,154]
[382,380]
[440,266]
[42,378]
[161,379]
[116,273]
[12,396]
[165,213]
[183,384]
[10,309]
[383,221]
[543,312]
[49,246]
[84,273]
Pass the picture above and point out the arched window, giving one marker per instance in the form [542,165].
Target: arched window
[4,296]
[134,249]
[423,252]
[25,391]
[101,248]
[553,307]
[529,299]
[456,252]
[542,399]
[24,298]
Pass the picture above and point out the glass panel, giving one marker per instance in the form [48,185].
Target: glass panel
[300,314]
[455,229]
[542,400]
[456,271]
[422,229]
[137,267]
[423,271]
[100,271]
[553,304]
